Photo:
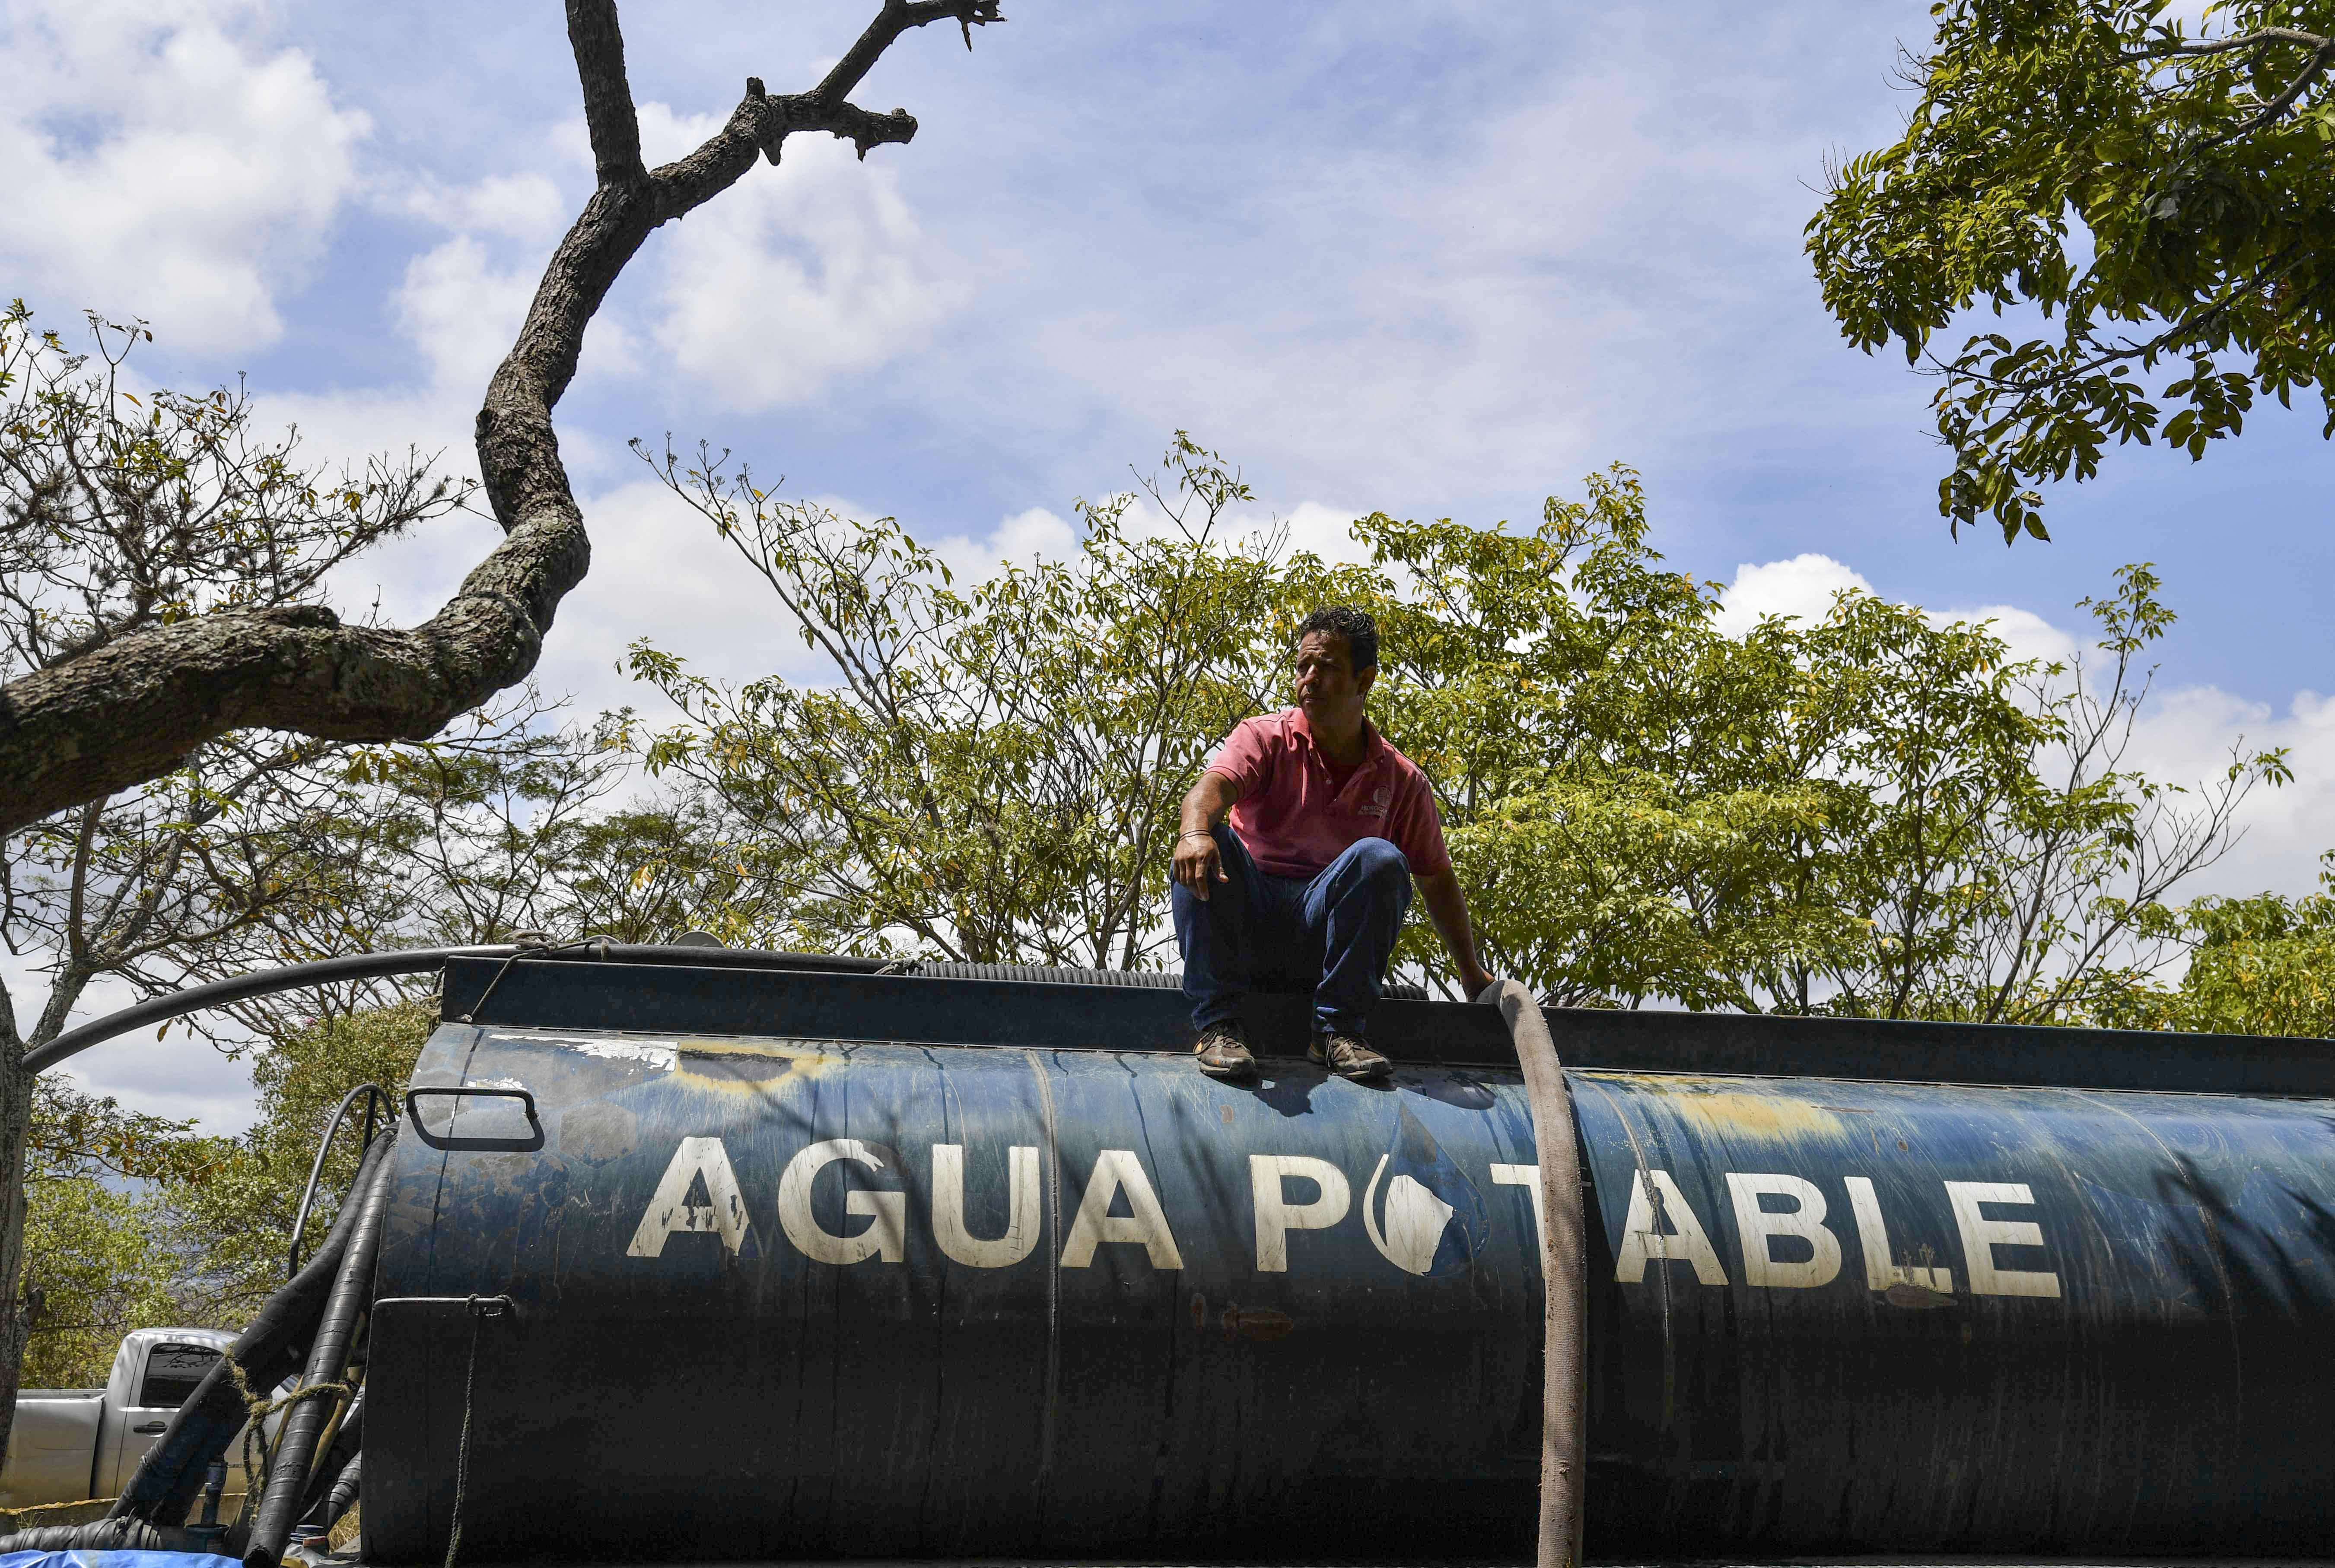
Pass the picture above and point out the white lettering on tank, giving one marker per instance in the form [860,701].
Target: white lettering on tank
[1758,1228]
[1655,1198]
[722,1214]
[1526,1176]
[961,1245]
[886,1234]
[1881,1268]
[1116,1171]
[1982,1235]
[1276,1216]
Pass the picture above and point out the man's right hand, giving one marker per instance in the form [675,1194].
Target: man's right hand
[1198,864]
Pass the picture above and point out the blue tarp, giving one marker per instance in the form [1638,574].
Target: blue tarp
[93,1559]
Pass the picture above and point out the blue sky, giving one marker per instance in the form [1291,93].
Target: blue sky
[1432,258]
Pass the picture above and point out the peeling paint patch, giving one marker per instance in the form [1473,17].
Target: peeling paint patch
[659,1054]
[753,1065]
[1740,1115]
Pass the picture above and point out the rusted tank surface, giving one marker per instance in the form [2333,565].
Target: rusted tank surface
[786,1293]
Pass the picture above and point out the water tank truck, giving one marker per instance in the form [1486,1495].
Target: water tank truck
[696,1254]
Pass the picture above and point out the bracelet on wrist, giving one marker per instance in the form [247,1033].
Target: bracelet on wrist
[1195,833]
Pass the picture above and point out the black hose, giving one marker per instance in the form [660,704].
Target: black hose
[338,1467]
[422,960]
[283,1501]
[417,961]
[269,1349]
[344,1495]
[108,1535]
[243,987]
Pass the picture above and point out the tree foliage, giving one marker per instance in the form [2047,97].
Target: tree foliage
[991,774]
[2165,196]
[2263,964]
[223,1214]
[1875,813]
[97,1263]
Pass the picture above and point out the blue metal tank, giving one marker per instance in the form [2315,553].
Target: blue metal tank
[881,1266]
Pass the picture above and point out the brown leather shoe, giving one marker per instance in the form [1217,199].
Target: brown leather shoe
[1348,1056]
[1222,1051]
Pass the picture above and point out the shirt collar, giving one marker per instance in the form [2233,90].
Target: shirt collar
[1373,744]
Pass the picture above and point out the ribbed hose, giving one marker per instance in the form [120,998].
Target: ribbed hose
[270,1350]
[1139,979]
[1564,1272]
[339,1467]
[103,1535]
[284,1499]
[344,1495]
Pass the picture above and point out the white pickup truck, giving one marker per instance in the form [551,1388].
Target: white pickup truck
[73,1444]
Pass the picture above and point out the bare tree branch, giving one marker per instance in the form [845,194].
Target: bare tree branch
[608,114]
[130,710]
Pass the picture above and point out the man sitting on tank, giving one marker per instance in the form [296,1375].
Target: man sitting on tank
[1309,880]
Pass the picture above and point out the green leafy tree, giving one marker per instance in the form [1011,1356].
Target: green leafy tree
[2165,198]
[993,774]
[2263,964]
[1627,811]
[1872,814]
[227,1209]
[98,1261]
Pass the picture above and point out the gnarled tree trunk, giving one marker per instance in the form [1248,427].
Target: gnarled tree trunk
[134,709]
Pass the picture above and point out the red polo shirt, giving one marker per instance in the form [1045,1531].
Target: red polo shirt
[1295,818]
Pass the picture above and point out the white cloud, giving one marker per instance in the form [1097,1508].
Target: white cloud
[791,277]
[167,165]
[659,571]
[1803,587]
[1018,540]
[461,311]
[1325,531]
[179,1076]
[2186,735]
[2025,634]
[526,206]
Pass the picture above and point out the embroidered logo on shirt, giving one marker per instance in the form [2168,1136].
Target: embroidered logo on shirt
[1380,798]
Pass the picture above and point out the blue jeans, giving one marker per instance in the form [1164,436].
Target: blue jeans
[1333,932]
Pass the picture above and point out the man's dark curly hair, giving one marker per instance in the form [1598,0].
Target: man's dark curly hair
[1361,632]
